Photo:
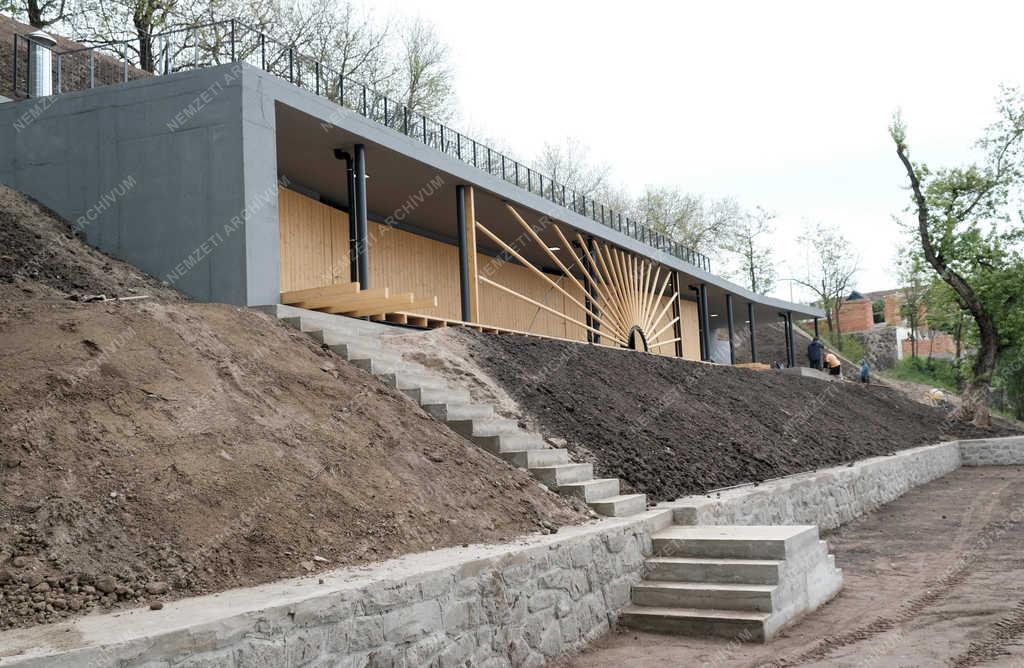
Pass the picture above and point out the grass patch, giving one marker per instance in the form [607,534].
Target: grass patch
[934,372]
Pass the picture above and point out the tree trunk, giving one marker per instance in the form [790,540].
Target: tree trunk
[974,404]
[35,16]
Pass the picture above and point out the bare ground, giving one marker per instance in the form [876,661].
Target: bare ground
[158,448]
[935,578]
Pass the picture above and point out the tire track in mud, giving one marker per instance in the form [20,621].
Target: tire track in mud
[1000,634]
[958,563]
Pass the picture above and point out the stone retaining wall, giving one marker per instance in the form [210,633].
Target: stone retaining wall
[993,452]
[497,605]
[502,605]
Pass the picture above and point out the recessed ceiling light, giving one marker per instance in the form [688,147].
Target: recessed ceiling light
[554,248]
[714,315]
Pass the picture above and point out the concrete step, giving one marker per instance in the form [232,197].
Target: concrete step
[734,542]
[510,441]
[429,395]
[732,624]
[379,367]
[357,350]
[459,412]
[592,490]
[702,595]
[735,571]
[407,381]
[332,337]
[561,474]
[528,459]
[622,505]
[483,426]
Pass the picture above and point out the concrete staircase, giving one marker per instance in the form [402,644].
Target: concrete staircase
[360,342]
[737,582]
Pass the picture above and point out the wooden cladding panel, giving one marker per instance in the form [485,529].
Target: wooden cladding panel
[501,309]
[691,329]
[314,242]
[407,262]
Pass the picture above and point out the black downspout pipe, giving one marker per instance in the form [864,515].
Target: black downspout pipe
[817,330]
[362,251]
[792,344]
[785,334]
[753,326]
[350,186]
[460,215]
[728,315]
[700,323]
[676,315]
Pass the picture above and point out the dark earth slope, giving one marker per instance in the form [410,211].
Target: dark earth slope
[670,428]
[159,448]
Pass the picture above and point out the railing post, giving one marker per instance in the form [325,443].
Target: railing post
[474,153]
[92,68]
[126,63]
[232,40]
[14,83]
[424,128]
[263,52]
[167,55]
[458,145]
[364,100]
[60,85]
[317,68]
[291,64]
[195,48]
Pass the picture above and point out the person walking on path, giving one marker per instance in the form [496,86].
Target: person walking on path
[865,371]
[815,351]
[833,364]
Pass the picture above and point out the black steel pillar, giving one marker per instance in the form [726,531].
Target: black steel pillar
[677,329]
[753,326]
[460,216]
[785,335]
[362,252]
[589,271]
[792,345]
[817,330]
[705,321]
[728,316]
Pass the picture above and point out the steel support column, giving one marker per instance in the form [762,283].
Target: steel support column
[362,242]
[460,219]
[789,331]
[728,316]
[705,321]
[753,326]
[785,335]
[677,329]
[817,330]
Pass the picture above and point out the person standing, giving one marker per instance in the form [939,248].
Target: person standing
[865,371]
[815,350]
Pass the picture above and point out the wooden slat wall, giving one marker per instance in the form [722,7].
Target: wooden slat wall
[407,262]
[314,242]
[691,329]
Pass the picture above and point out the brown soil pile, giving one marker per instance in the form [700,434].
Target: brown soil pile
[670,428]
[160,449]
[38,248]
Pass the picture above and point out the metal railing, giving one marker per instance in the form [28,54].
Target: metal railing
[227,41]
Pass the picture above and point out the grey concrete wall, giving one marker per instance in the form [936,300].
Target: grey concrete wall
[177,141]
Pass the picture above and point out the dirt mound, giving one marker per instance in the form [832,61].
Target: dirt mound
[159,448]
[39,249]
[670,428]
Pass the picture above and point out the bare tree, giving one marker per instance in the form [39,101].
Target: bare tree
[829,272]
[569,164]
[745,242]
[695,221]
[915,284]
[425,76]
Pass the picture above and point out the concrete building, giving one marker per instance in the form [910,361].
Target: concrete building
[255,181]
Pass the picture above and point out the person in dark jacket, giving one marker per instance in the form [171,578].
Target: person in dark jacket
[815,353]
[865,371]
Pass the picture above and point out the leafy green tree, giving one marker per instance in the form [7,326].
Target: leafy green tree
[916,282]
[966,234]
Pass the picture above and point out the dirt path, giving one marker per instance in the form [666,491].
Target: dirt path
[936,578]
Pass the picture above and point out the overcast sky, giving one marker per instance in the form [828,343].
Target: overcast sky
[778,104]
